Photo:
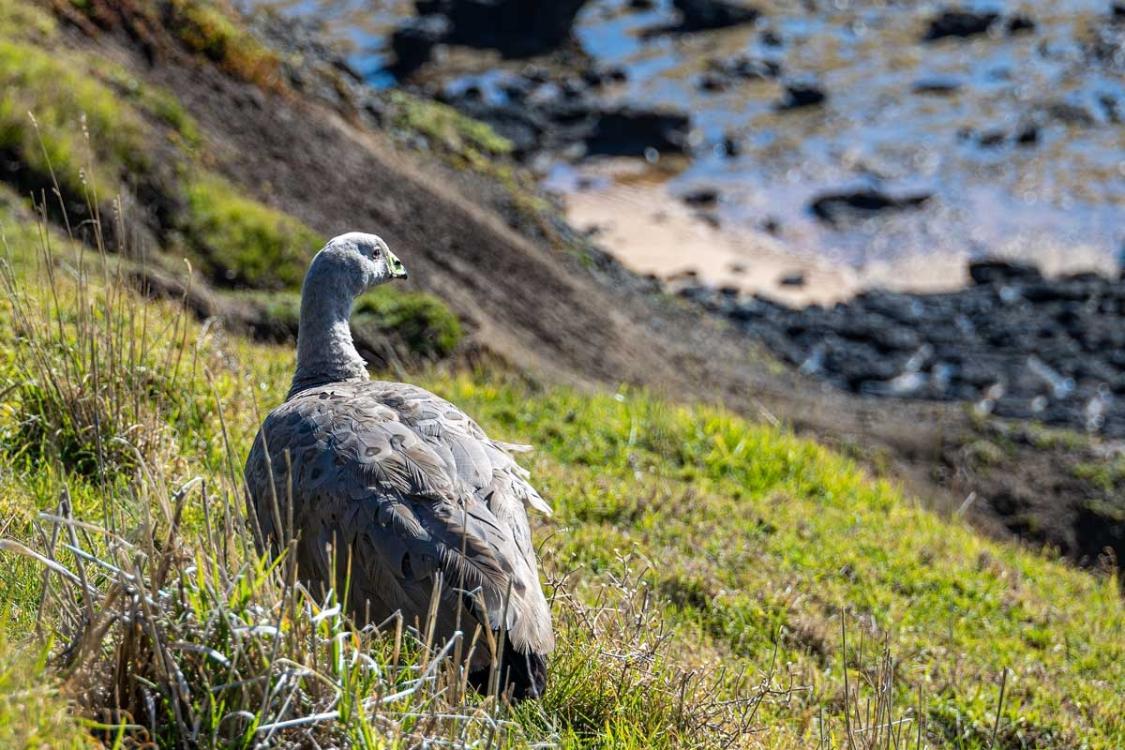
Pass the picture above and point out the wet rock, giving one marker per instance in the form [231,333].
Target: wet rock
[960,23]
[937,86]
[744,67]
[996,271]
[701,198]
[992,138]
[413,42]
[1068,114]
[798,95]
[731,146]
[771,38]
[630,131]
[701,15]
[1014,343]
[1020,24]
[517,28]
[835,208]
[1028,135]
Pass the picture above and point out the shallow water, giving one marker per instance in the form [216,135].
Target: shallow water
[1060,201]
[1064,195]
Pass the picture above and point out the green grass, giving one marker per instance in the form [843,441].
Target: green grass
[421,321]
[209,28]
[704,568]
[448,130]
[64,101]
[244,242]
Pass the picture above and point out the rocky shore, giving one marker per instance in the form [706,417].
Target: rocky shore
[1013,344]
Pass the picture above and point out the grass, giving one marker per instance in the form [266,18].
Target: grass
[427,328]
[209,28]
[713,579]
[447,130]
[64,101]
[715,582]
[241,241]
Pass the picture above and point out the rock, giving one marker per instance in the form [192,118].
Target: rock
[642,4]
[771,38]
[960,23]
[833,208]
[937,86]
[413,42]
[1068,114]
[1117,12]
[713,82]
[992,138]
[1020,24]
[998,271]
[794,279]
[701,15]
[1028,135]
[630,130]
[799,95]
[516,28]
[731,147]
[745,67]
[701,198]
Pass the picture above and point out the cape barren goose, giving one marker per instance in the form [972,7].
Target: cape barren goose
[398,482]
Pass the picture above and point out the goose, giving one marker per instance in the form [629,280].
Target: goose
[391,489]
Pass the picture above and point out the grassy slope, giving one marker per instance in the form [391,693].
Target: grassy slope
[747,548]
[754,547]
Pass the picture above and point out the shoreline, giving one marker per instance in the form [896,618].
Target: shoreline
[627,209]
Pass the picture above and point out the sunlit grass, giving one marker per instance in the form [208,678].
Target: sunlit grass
[707,567]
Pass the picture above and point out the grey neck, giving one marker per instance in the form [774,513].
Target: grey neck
[325,351]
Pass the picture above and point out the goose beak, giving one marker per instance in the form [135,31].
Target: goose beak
[398,271]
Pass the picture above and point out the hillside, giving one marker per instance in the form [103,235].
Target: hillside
[706,569]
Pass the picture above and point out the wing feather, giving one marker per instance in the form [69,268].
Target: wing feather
[410,486]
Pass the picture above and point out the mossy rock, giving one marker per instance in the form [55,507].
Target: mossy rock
[242,242]
[416,324]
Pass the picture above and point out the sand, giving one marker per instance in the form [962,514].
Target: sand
[632,215]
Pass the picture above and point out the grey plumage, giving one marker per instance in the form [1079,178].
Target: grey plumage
[400,484]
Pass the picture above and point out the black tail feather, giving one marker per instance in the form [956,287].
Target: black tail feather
[522,676]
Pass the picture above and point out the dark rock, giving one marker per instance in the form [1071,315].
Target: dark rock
[771,226]
[629,131]
[771,38]
[937,86]
[642,4]
[745,67]
[833,208]
[799,95]
[413,42]
[1020,24]
[700,15]
[1068,114]
[996,271]
[731,147]
[517,28]
[1028,135]
[959,23]
[794,279]
[992,138]
[701,198]
[1118,11]
[713,82]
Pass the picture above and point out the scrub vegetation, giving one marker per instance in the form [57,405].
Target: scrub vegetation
[715,582]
